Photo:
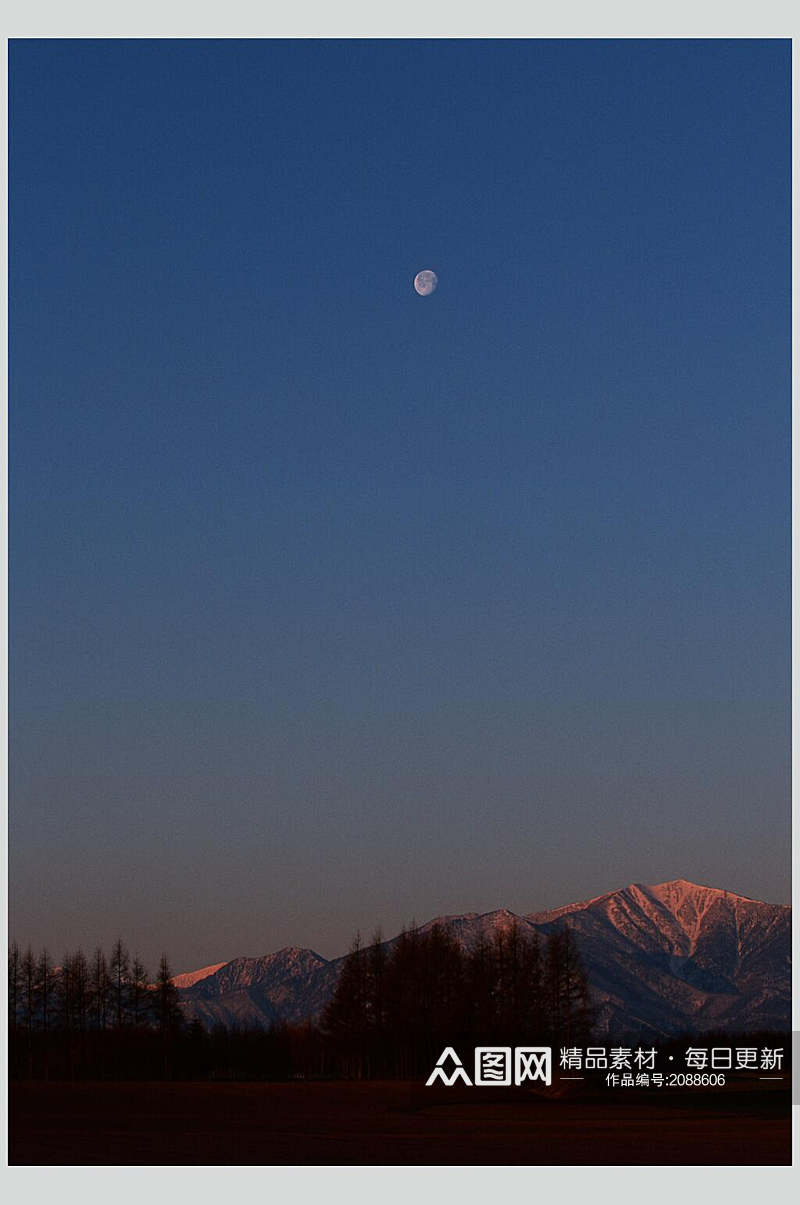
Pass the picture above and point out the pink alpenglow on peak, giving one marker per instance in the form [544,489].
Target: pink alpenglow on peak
[189,978]
[661,959]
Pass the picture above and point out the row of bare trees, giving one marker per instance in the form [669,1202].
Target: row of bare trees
[88,993]
[396,1006]
[92,1015]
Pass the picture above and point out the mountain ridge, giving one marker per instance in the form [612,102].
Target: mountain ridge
[661,959]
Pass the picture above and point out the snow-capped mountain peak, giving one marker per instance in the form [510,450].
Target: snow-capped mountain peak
[189,978]
[661,959]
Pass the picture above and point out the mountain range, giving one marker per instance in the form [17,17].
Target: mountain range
[664,959]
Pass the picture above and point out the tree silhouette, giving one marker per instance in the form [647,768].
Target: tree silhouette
[14,983]
[567,988]
[139,995]
[99,987]
[395,1006]
[167,999]
[79,970]
[168,1013]
[119,977]
[345,1019]
[29,1001]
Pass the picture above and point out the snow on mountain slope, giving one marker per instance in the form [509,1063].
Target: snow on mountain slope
[679,955]
[189,978]
[288,985]
[661,959]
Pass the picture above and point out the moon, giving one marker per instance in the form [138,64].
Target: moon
[425,282]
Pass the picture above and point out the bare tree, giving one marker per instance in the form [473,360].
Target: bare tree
[29,1002]
[168,1010]
[567,988]
[29,988]
[45,994]
[99,989]
[14,983]
[120,974]
[45,989]
[73,992]
[139,994]
[346,1016]
[65,994]
[80,986]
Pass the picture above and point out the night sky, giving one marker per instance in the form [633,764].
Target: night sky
[333,605]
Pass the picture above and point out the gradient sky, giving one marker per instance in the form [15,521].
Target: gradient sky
[334,606]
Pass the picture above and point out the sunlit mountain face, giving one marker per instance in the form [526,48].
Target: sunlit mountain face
[661,960]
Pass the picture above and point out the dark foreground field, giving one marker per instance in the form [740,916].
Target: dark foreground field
[389,1123]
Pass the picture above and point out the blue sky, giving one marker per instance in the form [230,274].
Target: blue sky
[335,606]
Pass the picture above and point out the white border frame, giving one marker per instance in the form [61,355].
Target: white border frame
[416,19]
